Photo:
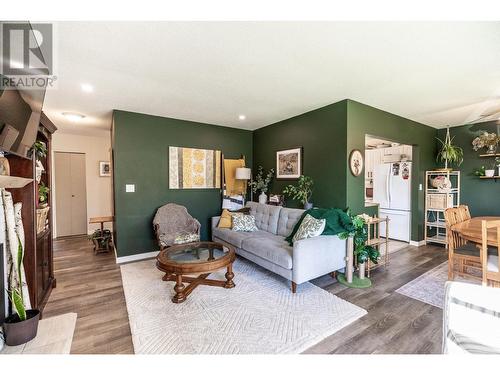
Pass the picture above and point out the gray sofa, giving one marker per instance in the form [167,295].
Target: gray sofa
[305,260]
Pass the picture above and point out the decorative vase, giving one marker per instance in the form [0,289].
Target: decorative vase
[491,149]
[263,198]
[489,172]
[361,270]
[308,206]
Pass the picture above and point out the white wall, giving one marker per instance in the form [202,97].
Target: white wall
[99,189]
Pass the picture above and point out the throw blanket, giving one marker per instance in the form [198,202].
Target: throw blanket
[337,221]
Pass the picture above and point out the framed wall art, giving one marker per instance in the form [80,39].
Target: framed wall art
[194,168]
[356,162]
[289,163]
[104,169]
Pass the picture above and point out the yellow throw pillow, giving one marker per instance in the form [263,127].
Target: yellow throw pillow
[226,220]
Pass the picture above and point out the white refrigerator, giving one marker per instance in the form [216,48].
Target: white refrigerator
[392,191]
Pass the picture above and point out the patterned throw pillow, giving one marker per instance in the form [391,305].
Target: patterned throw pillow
[186,238]
[310,227]
[244,223]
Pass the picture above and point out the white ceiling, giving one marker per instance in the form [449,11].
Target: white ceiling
[436,73]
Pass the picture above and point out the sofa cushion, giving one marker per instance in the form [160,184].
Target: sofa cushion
[288,218]
[230,236]
[272,248]
[266,216]
[225,221]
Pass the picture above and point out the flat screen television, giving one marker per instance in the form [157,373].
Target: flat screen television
[20,111]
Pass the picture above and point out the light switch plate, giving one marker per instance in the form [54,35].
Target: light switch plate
[420,187]
[129,188]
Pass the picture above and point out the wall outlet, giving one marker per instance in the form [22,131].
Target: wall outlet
[129,188]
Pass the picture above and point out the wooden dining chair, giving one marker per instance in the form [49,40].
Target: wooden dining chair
[463,212]
[489,254]
[464,258]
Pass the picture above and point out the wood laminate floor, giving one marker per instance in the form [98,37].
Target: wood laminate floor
[91,286]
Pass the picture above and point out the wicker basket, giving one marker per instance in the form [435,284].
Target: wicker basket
[439,201]
[41,218]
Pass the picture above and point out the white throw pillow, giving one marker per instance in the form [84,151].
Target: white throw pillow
[310,227]
[244,223]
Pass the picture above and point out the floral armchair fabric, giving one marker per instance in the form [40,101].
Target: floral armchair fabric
[174,225]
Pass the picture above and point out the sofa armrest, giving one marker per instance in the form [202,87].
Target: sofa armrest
[317,256]
[215,221]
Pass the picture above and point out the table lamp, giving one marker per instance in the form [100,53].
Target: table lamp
[244,174]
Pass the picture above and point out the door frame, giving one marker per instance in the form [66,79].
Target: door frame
[54,212]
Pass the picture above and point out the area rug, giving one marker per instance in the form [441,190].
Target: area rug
[259,316]
[54,336]
[429,287]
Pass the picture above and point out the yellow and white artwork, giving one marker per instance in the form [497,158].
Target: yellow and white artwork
[193,168]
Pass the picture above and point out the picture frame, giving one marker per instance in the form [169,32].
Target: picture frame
[104,169]
[289,164]
[356,162]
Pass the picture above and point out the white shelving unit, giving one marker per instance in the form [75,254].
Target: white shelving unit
[435,226]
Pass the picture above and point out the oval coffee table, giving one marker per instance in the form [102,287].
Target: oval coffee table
[195,258]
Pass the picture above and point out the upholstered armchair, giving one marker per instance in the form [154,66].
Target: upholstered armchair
[174,225]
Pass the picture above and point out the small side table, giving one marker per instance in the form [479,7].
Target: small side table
[101,220]
[375,240]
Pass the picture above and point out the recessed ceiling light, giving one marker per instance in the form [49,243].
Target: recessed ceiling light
[73,116]
[87,88]
[242,117]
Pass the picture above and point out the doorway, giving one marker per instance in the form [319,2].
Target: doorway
[388,178]
[70,194]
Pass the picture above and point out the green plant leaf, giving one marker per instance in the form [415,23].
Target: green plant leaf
[17,301]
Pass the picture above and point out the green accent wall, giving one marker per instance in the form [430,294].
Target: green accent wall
[363,119]
[140,157]
[328,135]
[321,134]
[482,196]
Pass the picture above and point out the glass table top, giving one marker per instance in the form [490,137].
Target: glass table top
[201,254]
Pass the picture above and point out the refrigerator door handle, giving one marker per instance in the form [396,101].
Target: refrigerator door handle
[390,184]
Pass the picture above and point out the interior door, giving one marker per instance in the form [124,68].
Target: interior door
[70,194]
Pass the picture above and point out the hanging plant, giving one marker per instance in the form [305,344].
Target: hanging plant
[449,153]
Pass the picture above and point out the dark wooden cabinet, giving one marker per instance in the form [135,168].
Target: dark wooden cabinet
[38,256]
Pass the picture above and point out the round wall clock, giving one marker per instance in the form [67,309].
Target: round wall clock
[356,162]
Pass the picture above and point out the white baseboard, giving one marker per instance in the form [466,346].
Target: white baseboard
[135,257]
[417,243]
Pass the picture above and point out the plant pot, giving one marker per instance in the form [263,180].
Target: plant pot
[308,206]
[489,172]
[263,198]
[18,332]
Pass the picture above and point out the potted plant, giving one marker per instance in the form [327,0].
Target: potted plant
[262,183]
[488,141]
[449,153]
[43,193]
[21,327]
[302,192]
[40,150]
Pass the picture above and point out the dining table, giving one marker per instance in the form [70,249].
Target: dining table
[471,230]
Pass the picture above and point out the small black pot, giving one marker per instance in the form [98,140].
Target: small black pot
[17,332]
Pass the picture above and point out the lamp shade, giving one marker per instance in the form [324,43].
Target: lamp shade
[243,173]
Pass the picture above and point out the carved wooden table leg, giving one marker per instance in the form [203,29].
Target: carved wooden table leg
[229,277]
[179,290]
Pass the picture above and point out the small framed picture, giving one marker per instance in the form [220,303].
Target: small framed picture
[104,169]
[289,163]
[356,162]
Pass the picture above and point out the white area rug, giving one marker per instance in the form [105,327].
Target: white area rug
[429,287]
[260,315]
[54,336]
